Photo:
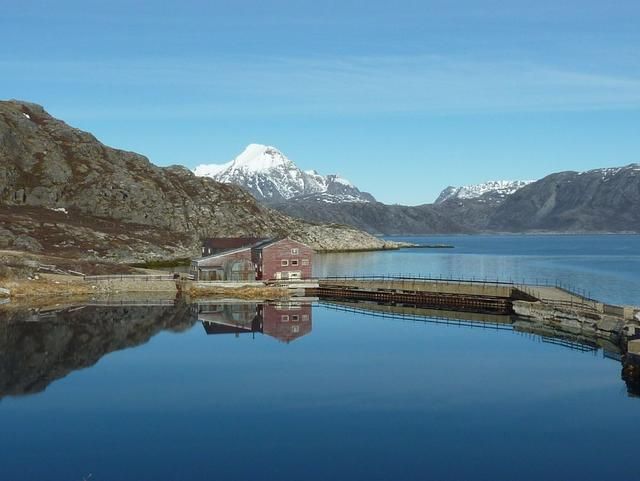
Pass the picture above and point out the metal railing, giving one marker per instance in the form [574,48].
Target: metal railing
[130,277]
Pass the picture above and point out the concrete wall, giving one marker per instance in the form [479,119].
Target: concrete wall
[572,320]
[440,287]
[133,285]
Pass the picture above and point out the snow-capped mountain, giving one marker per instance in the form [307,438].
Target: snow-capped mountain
[497,188]
[270,176]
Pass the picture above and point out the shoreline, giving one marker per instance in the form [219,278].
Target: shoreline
[57,288]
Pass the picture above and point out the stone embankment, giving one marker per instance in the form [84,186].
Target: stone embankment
[576,319]
[617,325]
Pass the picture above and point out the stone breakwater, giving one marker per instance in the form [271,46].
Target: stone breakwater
[616,324]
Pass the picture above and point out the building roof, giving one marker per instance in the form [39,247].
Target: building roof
[269,242]
[228,243]
[259,243]
[220,254]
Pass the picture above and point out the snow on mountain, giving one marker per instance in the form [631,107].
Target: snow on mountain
[269,175]
[210,170]
[608,172]
[498,188]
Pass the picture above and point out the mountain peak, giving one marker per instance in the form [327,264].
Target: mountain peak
[269,175]
[260,158]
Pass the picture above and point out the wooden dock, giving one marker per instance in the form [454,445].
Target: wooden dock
[457,295]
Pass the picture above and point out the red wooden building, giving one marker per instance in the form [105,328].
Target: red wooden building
[245,259]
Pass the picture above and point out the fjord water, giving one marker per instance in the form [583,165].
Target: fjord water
[154,393]
[605,267]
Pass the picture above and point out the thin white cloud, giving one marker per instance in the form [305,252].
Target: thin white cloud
[350,85]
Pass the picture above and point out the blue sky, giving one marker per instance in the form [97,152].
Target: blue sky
[403,98]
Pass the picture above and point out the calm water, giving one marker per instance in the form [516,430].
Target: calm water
[604,267]
[295,392]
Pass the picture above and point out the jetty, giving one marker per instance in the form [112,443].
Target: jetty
[458,294]
[547,304]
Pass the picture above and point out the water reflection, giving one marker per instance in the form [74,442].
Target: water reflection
[39,346]
[285,321]
[566,336]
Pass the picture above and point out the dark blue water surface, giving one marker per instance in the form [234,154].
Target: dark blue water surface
[290,392]
[606,267]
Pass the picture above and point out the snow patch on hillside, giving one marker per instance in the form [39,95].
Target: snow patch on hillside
[501,188]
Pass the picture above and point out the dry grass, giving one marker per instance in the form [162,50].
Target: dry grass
[257,293]
[53,286]
[48,285]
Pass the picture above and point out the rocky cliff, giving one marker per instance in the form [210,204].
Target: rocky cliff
[62,190]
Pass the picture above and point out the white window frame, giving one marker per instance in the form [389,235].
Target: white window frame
[305,262]
[295,251]
[284,262]
[295,262]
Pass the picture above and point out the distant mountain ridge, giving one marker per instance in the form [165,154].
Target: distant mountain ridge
[271,177]
[598,201]
[498,188]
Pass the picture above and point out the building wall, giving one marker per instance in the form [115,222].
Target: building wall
[274,254]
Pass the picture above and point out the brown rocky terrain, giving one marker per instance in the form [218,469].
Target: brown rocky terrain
[63,192]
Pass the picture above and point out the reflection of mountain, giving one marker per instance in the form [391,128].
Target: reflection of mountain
[285,321]
[38,347]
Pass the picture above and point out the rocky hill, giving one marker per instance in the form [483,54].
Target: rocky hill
[61,190]
[376,217]
[600,200]
[271,177]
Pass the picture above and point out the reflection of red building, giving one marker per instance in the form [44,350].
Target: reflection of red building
[286,321]
[230,318]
